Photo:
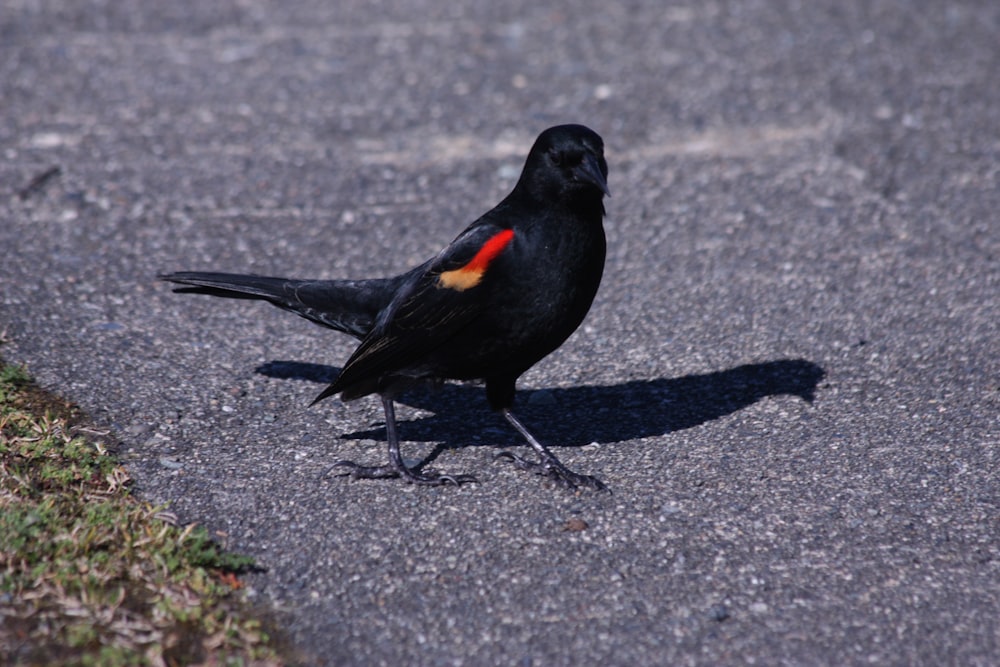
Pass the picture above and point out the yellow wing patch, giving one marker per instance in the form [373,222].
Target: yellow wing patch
[460,279]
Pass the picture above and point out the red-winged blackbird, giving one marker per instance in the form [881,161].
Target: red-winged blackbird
[504,294]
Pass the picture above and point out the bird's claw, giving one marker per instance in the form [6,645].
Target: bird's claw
[554,470]
[425,478]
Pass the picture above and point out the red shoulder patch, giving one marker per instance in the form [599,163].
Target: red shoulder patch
[469,275]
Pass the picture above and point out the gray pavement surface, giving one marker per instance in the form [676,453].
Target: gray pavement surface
[790,378]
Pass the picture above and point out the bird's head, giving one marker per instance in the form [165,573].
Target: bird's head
[566,163]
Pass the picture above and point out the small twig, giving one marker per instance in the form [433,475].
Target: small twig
[91,431]
[39,182]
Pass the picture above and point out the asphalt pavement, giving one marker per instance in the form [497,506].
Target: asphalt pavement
[790,379]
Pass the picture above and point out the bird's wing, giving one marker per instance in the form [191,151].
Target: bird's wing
[428,311]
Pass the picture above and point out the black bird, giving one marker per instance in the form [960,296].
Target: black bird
[508,291]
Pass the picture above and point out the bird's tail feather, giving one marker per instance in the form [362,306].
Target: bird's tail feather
[350,306]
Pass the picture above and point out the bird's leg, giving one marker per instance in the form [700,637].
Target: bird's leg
[549,465]
[396,467]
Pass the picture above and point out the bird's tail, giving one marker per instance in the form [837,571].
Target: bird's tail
[350,306]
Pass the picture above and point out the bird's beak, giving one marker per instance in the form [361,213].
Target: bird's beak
[589,171]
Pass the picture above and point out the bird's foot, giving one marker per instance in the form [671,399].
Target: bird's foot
[425,478]
[555,471]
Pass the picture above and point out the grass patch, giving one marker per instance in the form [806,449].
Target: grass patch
[89,575]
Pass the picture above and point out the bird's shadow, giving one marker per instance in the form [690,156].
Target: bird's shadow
[576,416]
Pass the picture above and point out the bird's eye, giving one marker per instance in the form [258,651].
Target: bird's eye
[563,159]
